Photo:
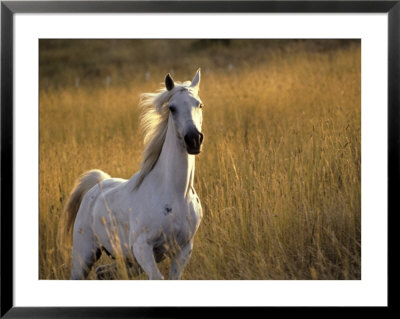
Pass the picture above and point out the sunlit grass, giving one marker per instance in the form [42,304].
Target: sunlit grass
[278,178]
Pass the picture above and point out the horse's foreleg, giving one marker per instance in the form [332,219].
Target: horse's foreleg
[143,253]
[179,261]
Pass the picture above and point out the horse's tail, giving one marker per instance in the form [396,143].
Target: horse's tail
[85,182]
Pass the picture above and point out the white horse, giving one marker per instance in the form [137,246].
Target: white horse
[155,213]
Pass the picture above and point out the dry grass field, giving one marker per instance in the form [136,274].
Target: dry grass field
[279,176]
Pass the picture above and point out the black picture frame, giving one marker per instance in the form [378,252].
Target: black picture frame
[9,8]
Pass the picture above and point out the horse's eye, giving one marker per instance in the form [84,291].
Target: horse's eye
[201,105]
[172,109]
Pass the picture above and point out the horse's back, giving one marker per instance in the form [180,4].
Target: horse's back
[94,198]
[111,182]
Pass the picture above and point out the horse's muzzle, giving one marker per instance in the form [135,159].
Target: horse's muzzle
[193,141]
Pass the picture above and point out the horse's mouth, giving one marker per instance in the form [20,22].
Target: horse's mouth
[193,151]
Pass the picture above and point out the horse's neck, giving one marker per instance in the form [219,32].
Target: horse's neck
[175,165]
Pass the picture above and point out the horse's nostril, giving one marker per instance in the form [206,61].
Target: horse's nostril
[201,137]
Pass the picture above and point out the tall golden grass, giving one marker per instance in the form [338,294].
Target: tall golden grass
[279,177]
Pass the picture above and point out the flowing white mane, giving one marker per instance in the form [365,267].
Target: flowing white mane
[154,123]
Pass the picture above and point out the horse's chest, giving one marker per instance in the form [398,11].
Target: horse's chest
[180,221]
[185,222]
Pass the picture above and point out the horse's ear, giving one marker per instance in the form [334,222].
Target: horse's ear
[196,80]
[169,82]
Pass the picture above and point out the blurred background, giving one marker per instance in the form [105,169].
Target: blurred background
[279,176]
[97,62]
